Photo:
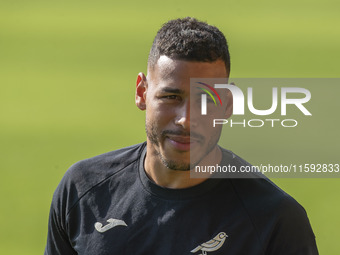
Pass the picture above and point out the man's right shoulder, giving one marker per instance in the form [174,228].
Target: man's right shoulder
[106,164]
[85,174]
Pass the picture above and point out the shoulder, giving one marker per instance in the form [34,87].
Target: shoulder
[262,196]
[86,174]
[278,219]
[106,164]
[97,168]
[257,192]
[276,216]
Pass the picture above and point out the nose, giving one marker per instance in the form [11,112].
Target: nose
[183,115]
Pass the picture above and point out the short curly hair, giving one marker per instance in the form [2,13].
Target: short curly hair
[189,39]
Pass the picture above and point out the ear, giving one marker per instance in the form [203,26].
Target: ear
[141,88]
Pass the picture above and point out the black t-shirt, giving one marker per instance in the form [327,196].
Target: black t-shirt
[108,205]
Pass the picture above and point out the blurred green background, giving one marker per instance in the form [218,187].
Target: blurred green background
[67,77]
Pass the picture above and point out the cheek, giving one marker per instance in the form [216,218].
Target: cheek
[206,128]
[159,114]
[210,129]
[206,122]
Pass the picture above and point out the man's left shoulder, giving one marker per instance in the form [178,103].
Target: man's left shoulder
[250,184]
[259,195]
[257,192]
[278,218]
[264,196]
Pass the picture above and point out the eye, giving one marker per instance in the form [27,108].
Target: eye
[171,97]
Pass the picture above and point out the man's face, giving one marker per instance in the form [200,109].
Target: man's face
[172,134]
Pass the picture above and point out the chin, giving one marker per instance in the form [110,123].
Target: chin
[176,164]
[181,161]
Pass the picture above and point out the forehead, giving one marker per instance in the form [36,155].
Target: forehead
[179,72]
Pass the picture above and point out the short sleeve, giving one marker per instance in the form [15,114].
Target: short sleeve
[57,240]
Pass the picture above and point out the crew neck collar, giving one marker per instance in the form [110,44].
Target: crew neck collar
[174,194]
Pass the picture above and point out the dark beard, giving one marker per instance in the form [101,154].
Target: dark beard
[152,134]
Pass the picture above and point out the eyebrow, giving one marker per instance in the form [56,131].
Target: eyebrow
[173,90]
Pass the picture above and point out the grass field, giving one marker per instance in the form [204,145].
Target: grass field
[67,76]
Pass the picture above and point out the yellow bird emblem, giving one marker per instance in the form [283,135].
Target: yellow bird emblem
[211,245]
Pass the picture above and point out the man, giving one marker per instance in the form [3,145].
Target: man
[141,199]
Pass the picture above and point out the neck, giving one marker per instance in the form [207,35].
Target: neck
[176,179]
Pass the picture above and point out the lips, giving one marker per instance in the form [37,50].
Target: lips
[181,143]
[180,139]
